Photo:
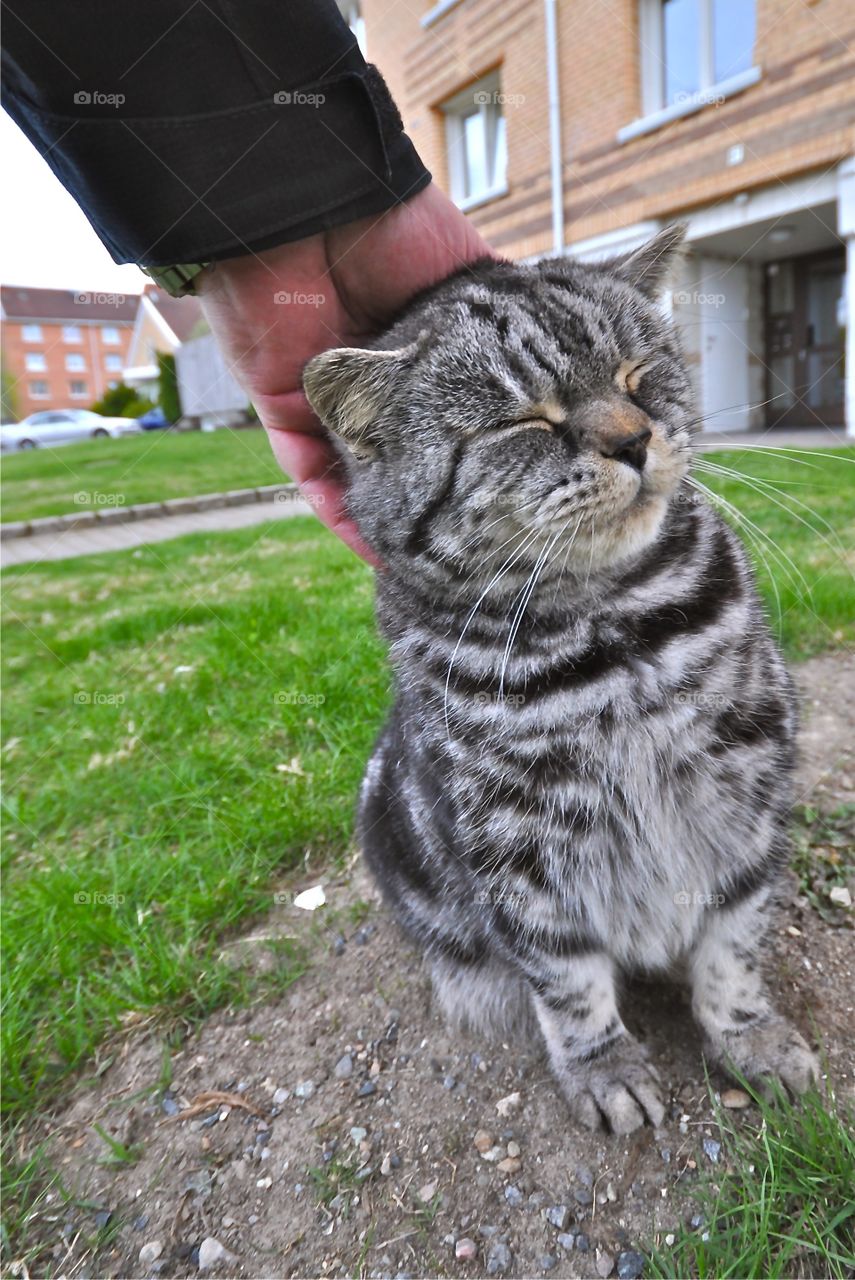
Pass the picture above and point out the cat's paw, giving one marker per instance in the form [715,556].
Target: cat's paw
[769,1050]
[618,1091]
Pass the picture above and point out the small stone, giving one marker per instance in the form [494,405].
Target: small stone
[547,1261]
[670,1238]
[509,1105]
[169,1105]
[281,1096]
[514,1196]
[697,1221]
[211,1252]
[264,1183]
[494,1155]
[386,1166]
[427,1192]
[498,1259]
[150,1252]
[509,1165]
[514,1150]
[583,1197]
[712,1149]
[583,1173]
[338,945]
[358,1134]
[362,935]
[582,1243]
[840,896]
[604,1265]
[305,1089]
[103,1218]
[665,1153]
[483,1141]
[465,1249]
[449,1082]
[557,1216]
[367,1089]
[630,1265]
[140,1223]
[735,1099]
[567,1240]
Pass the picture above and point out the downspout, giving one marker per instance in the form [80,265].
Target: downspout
[555,165]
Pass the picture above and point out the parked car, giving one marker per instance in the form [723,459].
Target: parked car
[63,426]
[154,419]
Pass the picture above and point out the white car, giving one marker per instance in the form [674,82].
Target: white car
[63,426]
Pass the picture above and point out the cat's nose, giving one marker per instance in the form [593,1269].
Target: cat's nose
[631,449]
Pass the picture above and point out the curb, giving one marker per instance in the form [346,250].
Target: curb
[148,511]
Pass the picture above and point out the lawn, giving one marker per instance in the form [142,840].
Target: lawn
[146,468]
[187,722]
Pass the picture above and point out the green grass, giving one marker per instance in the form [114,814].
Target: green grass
[784,1204]
[150,697]
[146,468]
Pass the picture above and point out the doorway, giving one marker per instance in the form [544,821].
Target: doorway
[805,340]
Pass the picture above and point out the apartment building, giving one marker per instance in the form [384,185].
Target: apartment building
[582,126]
[62,349]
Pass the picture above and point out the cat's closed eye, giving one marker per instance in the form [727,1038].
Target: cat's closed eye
[629,374]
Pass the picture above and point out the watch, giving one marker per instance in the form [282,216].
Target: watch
[178,280]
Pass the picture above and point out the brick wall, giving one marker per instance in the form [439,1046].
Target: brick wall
[94,351]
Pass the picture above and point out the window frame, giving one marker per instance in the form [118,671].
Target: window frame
[75,362]
[111,342]
[83,394]
[113,368]
[31,333]
[40,359]
[68,330]
[39,395]
[457,109]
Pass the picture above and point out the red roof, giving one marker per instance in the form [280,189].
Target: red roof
[67,305]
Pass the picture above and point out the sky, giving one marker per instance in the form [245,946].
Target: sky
[45,241]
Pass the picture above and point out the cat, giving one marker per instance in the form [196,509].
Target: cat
[586,772]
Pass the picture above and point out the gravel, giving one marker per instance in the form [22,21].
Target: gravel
[498,1259]
[630,1265]
[343,1069]
[557,1216]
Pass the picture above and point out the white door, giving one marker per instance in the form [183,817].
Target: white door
[723,309]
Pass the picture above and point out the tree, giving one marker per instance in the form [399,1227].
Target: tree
[9,392]
[122,402]
[168,395]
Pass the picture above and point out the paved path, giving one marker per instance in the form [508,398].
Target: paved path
[782,438]
[135,533]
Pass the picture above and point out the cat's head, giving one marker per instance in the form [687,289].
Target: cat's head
[516,407]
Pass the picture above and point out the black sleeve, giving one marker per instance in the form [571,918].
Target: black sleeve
[190,130]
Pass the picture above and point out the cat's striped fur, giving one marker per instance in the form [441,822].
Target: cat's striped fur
[587,768]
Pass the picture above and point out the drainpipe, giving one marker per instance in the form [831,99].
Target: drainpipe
[549,7]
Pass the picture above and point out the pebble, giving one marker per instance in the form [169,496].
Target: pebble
[582,1243]
[465,1249]
[509,1105]
[735,1099]
[514,1150]
[583,1173]
[611,1194]
[358,1134]
[366,1090]
[386,1166]
[362,935]
[449,1082]
[547,1261]
[103,1218]
[150,1252]
[712,1149]
[498,1259]
[840,896]
[514,1196]
[211,1252]
[567,1240]
[583,1197]
[487,1231]
[280,1096]
[630,1265]
[168,1105]
[305,1089]
[697,1221]
[510,1165]
[427,1192]
[494,1155]
[557,1216]
[264,1183]
[665,1153]
[483,1141]
[338,945]
[605,1265]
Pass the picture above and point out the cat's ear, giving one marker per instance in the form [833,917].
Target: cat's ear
[348,387]
[649,267]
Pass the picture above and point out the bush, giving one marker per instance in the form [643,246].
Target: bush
[167,395]
[122,402]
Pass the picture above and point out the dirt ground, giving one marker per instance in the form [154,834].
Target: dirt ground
[347,1144]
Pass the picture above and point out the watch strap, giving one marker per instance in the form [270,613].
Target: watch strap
[177,280]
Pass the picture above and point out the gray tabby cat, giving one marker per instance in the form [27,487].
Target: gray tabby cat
[586,771]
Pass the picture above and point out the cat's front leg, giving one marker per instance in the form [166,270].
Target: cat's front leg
[742,1030]
[603,1071]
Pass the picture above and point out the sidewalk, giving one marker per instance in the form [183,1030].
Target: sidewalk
[120,535]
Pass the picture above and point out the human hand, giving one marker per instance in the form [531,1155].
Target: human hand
[358,277]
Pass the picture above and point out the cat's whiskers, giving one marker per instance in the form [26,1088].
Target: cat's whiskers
[525,597]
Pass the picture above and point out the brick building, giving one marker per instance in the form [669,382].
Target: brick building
[62,349]
[582,126]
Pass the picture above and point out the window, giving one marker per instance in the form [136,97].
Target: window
[71,333]
[35,362]
[476,142]
[110,335]
[75,363]
[77,389]
[114,363]
[689,47]
[351,11]
[32,332]
[39,390]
